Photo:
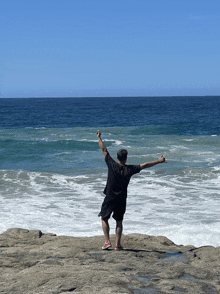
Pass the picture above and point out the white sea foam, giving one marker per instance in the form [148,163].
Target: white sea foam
[116,142]
[188,140]
[187,213]
[62,192]
[86,140]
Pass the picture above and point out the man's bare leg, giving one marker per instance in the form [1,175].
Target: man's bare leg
[119,229]
[106,229]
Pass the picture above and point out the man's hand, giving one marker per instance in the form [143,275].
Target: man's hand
[101,144]
[98,134]
[152,163]
[161,159]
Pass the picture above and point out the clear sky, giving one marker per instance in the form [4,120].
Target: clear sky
[66,48]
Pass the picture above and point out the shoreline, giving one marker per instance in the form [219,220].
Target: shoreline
[33,262]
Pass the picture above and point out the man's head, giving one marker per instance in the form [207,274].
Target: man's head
[122,155]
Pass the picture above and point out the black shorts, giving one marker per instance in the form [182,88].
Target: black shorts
[118,209]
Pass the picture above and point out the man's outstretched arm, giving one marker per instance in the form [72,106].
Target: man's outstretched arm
[101,144]
[152,163]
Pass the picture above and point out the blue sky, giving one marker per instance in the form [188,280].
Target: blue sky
[77,48]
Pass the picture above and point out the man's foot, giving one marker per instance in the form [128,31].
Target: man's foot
[118,247]
[106,245]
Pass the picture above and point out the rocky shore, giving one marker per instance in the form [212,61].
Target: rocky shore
[35,263]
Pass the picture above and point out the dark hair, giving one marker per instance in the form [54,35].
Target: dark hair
[122,154]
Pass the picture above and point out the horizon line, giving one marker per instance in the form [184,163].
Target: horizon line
[138,96]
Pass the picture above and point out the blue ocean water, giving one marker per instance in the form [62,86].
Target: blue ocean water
[52,171]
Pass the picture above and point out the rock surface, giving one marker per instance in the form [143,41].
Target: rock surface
[35,263]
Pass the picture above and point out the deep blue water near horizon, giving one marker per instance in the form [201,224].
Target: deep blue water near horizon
[190,115]
[52,171]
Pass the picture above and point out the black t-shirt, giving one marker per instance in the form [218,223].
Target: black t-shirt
[118,178]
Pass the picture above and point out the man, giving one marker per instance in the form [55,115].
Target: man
[119,175]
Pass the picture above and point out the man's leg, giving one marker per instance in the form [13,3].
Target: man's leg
[106,229]
[119,228]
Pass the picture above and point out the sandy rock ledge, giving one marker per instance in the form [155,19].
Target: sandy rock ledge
[35,263]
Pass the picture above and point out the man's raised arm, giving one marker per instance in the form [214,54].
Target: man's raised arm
[152,163]
[101,144]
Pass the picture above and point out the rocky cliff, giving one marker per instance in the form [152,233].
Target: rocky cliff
[35,263]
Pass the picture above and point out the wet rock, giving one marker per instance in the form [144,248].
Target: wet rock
[32,262]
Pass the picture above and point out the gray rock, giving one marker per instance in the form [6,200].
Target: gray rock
[36,263]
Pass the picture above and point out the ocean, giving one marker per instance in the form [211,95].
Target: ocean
[52,171]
